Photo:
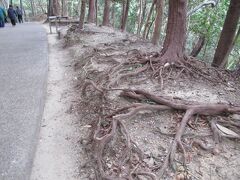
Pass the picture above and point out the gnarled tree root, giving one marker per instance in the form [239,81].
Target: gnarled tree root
[190,108]
[161,103]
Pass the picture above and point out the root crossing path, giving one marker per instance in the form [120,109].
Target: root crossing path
[23,74]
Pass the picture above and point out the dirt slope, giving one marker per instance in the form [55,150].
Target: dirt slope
[101,55]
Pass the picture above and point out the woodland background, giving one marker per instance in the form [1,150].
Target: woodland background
[205,20]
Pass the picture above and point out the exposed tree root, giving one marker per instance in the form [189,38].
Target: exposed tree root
[139,70]
[191,109]
[111,118]
[162,103]
[202,145]
[191,65]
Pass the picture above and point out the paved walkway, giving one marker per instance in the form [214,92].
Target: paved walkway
[23,74]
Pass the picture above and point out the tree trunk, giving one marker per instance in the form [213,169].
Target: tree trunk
[91,12]
[106,14]
[96,13]
[143,14]
[148,23]
[158,22]
[198,46]
[64,8]
[139,16]
[32,7]
[71,8]
[55,7]
[149,27]
[227,35]
[234,42]
[82,15]
[125,14]
[237,36]
[50,12]
[48,7]
[174,43]
[113,14]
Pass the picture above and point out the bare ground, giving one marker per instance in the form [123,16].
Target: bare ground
[58,152]
[99,54]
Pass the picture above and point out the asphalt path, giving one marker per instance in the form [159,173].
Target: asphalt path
[23,75]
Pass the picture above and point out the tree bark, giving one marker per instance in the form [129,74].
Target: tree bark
[106,14]
[32,7]
[91,12]
[158,22]
[227,35]
[113,14]
[82,15]
[149,27]
[56,7]
[148,23]
[139,16]
[96,13]
[125,14]
[198,46]
[49,9]
[64,8]
[174,43]
[237,36]
[231,48]
[143,14]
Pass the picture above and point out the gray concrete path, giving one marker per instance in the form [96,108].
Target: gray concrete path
[23,74]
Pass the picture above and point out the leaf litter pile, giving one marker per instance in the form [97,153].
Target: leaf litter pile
[148,120]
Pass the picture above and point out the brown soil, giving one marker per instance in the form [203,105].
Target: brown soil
[101,59]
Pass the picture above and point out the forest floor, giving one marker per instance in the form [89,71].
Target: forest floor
[138,147]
